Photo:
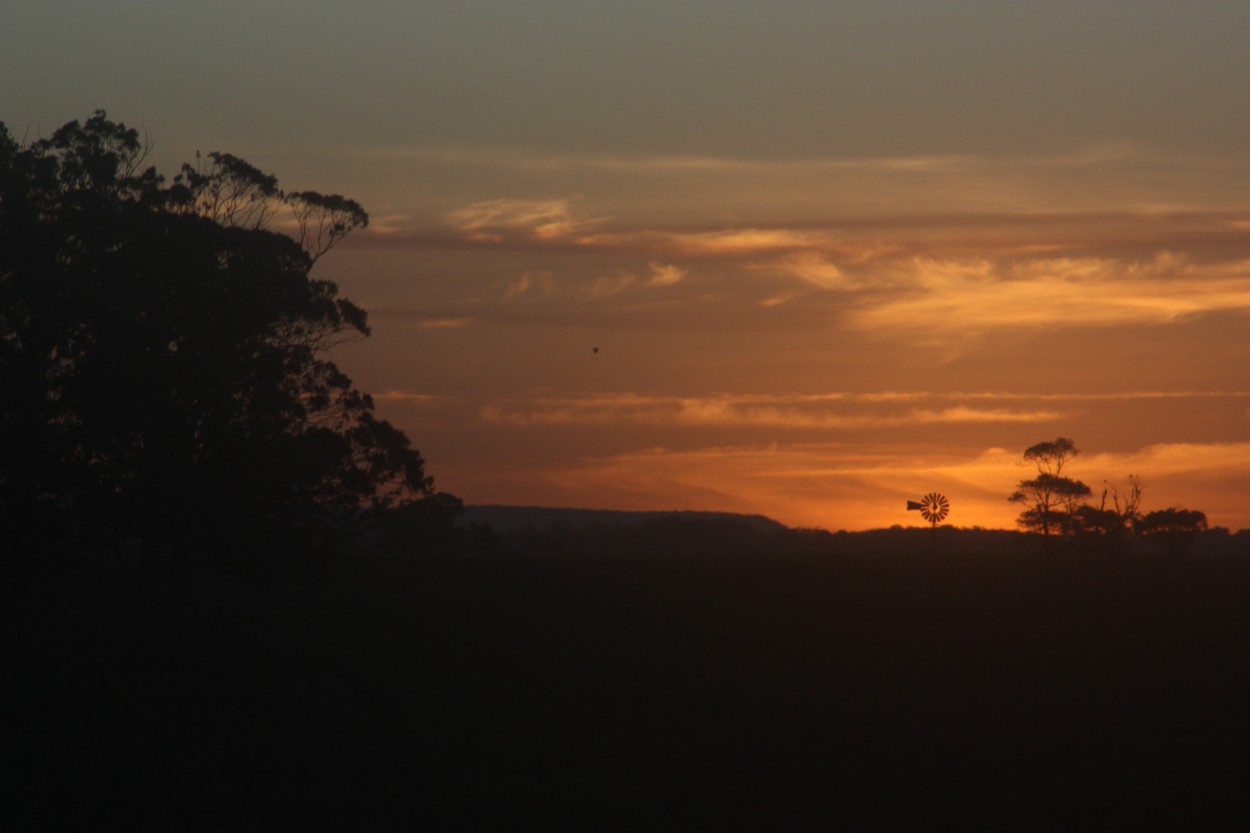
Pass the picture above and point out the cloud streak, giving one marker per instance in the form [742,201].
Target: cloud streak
[665,274]
[816,270]
[455,323]
[979,295]
[540,283]
[493,221]
[798,412]
[900,284]
[1094,157]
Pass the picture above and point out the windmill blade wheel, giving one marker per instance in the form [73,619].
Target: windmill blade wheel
[934,508]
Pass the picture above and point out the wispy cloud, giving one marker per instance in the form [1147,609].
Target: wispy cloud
[978,295]
[394,395]
[606,286]
[386,224]
[944,253]
[811,411]
[455,323]
[780,298]
[734,408]
[815,269]
[706,243]
[657,275]
[640,163]
[1084,158]
[1106,396]
[494,221]
[540,283]
[665,274]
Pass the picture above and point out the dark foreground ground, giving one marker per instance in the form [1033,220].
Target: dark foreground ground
[644,693]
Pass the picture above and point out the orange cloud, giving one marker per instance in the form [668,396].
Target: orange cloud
[728,410]
[998,174]
[810,410]
[815,269]
[540,282]
[664,274]
[660,275]
[446,323]
[409,396]
[978,295]
[603,287]
[728,242]
[495,220]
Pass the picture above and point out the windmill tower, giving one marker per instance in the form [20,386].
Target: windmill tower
[933,507]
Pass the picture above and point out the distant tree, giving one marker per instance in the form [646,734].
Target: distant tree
[1125,497]
[1173,529]
[416,526]
[1051,457]
[1110,526]
[1051,500]
[161,355]
[1055,505]
[1098,529]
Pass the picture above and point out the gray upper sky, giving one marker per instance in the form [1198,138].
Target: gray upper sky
[730,77]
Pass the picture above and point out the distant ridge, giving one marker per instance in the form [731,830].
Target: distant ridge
[505,519]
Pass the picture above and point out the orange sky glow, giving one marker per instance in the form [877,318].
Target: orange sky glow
[808,261]
[819,371]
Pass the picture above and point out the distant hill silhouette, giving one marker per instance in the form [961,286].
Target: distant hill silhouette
[504,519]
[493,528]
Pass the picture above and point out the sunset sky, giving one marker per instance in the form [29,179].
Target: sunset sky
[832,255]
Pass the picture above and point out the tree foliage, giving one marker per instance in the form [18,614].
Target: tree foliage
[324,219]
[1050,457]
[1055,506]
[1111,526]
[161,354]
[1174,529]
[1051,500]
[227,190]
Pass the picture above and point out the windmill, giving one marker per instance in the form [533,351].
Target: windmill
[933,507]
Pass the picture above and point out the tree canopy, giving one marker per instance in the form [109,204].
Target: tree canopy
[1055,506]
[162,354]
[1050,498]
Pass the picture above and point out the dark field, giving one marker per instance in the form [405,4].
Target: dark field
[644,693]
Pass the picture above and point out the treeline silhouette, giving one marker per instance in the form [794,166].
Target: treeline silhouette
[508,530]
[163,360]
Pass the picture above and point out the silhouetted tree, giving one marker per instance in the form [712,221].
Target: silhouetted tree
[1174,529]
[161,354]
[1111,526]
[1055,505]
[1051,499]
[1099,529]
[1125,497]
